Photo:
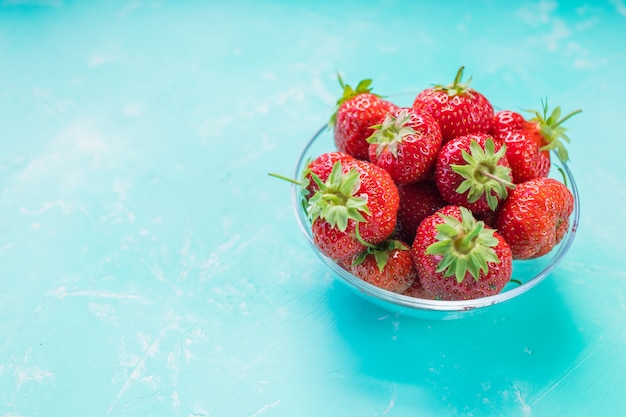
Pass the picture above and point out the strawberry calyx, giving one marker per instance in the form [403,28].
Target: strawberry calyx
[391,132]
[456,88]
[335,200]
[483,175]
[552,130]
[380,252]
[364,86]
[465,246]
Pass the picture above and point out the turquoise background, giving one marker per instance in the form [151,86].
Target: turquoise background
[150,267]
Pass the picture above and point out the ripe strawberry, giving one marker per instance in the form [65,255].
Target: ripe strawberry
[357,110]
[506,121]
[417,291]
[473,171]
[458,108]
[406,144]
[529,141]
[320,166]
[459,258]
[418,200]
[535,217]
[355,207]
[388,266]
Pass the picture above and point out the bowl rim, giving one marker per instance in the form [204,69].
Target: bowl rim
[415,303]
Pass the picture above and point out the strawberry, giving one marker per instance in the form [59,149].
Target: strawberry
[321,166]
[458,108]
[388,266]
[355,207]
[458,257]
[406,144]
[357,110]
[506,121]
[418,200]
[473,171]
[535,216]
[529,141]
[417,291]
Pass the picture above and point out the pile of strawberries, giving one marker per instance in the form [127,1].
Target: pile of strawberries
[436,200]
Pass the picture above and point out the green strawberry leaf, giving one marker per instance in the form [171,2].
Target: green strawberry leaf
[335,200]
[550,126]
[380,252]
[389,134]
[483,175]
[465,246]
[364,86]
[456,88]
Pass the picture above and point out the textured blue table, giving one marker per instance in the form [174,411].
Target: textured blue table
[150,267]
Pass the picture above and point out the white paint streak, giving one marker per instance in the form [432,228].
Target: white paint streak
[48,205]
[559,32]
[104,312]
[24,375]
[156,270]
[565,376]
[61,292]
[526,409]
[151,350]
[264,408]
[185,256]
[209,267]
[392,401]
[537,13]
[118,214]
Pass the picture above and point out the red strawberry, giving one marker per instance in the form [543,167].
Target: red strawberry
[357,111]
[356,206]
[472,171]
[506,121]
[529,141]
[524,153]
[535,217]
[321,166]
[459,258]
[418,200]
[406,144]
[458,108]
[388,266]
[417,291]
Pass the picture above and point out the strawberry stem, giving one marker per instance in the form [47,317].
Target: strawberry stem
[459,76]
[282,177]
[502,181]
[569,116]
[456,87]
[466,242]
[360,239]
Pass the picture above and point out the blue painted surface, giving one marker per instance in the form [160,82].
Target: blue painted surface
[150,267]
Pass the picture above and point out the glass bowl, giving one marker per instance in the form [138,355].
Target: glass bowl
[528,272]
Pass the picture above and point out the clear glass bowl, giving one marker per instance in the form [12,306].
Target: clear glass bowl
[528,272]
